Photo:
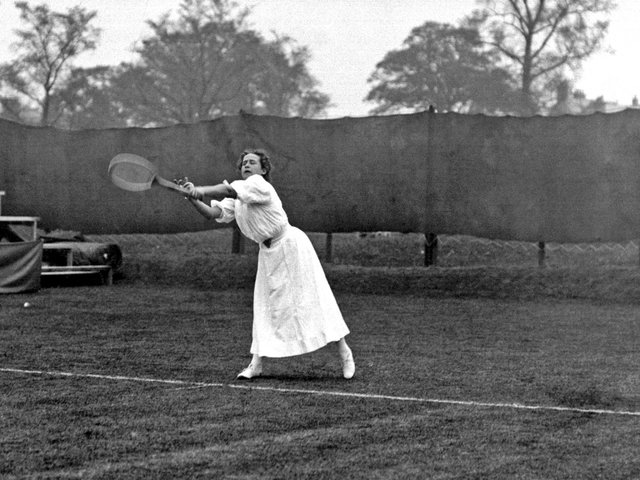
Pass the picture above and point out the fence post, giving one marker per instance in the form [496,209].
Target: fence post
[430,239]
[541,254]
[237,241]
[430,249]
[328,248]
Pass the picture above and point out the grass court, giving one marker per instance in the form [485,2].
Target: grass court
[479,372]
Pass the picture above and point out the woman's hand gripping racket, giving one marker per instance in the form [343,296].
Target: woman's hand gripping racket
[136,174]
[192,190]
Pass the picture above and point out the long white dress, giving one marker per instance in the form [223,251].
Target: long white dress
[294,310]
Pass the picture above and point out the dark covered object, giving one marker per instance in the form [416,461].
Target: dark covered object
[20,266]
[85,253]
[82,251]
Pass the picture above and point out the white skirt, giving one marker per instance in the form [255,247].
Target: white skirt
[294,310]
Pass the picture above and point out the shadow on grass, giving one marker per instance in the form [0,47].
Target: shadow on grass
[588,395]
[301,378]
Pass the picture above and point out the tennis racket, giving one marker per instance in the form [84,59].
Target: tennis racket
[136,174]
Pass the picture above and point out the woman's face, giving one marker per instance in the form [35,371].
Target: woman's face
[251,165]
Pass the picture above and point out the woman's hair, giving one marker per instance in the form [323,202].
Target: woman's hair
[265,163]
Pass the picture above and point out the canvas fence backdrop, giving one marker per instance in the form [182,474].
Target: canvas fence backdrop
[562,179]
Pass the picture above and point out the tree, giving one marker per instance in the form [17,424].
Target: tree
[443,66]
[44,54]
[88,100]
[284,86]
[540,40]
[202,65]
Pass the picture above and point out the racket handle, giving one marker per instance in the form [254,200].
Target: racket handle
[171,186]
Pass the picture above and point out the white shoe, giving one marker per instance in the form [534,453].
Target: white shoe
[250,372]
[348,364]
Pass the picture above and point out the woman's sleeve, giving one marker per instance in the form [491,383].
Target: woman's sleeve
[254,189]
[228,207]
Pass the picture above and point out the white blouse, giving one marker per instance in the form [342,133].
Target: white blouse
[257,209]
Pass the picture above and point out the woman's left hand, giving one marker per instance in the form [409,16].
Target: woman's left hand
[192,190]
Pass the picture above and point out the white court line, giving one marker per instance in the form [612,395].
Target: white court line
[372,396]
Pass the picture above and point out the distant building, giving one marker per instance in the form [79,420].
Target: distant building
[576,103]
[567,103]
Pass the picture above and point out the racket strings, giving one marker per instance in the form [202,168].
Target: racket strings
[132,176]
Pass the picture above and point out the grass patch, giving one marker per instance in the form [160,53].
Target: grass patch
[537,352]
[393,263]
[483,326]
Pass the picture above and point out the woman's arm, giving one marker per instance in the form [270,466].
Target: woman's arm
[205,210]
[196,195]
[219,191]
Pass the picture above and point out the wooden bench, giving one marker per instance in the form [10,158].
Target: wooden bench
[105,271]
[69,269]
[11,219]
[33,221]
[64,247]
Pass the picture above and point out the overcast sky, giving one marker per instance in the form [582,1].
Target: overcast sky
[346,38]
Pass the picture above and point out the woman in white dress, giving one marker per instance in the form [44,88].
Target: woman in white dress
[294,310]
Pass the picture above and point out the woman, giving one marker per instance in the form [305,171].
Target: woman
[294,310]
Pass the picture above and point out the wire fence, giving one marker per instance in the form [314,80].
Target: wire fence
[458,250]
[395,249]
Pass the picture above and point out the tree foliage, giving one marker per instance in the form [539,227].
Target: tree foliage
[88,101]
[541,41]
[442,66]
[507,57]
[44,52]
[200,66]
